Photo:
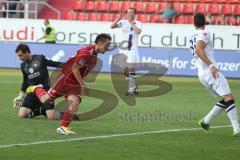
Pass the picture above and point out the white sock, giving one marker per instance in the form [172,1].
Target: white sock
[214,112]
[132,82]
[232,115]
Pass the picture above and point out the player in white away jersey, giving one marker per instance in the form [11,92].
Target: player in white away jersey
[131,29]
[201,47]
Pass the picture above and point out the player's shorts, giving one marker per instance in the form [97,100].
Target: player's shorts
[217,87]
[132,55]
[32,102]
[64,86]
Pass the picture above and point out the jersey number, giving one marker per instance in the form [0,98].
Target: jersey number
[193,45]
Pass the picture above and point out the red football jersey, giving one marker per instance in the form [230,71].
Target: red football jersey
[85,57]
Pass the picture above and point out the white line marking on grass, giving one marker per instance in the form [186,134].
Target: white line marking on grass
[105,136]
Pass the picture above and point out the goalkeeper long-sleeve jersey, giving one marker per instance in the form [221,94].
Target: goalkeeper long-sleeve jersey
[35,71]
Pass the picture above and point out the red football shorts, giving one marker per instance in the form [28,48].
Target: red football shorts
[64,86]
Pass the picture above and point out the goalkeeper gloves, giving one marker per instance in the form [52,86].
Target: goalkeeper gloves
[17,102]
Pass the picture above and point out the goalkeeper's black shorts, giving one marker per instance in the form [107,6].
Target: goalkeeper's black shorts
[32,102]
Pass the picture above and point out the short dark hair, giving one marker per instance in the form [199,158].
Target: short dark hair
[102,38]
[199,20]
[23,47]
[135,11]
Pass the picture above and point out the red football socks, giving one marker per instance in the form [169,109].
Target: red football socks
[67,118]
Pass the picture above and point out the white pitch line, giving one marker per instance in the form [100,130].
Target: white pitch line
[104,136]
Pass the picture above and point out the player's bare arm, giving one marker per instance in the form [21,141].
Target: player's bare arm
[114,24]
[202,55]
[77,75]
[135,28]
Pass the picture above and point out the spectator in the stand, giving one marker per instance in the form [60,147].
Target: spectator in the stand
[20,9]
[222,20]
[2,10]
[12,7]
[49,33]
[232,20]
[237,20]
[218,20]
[209,19]
[168,14]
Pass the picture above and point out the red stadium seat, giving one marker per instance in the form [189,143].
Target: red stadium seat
[201,8]
[226,9]
[105,17]
[219,1]
[213,9]
[189,19]
[125,6]
[101,6]
[142,18]
[70,16]
[233,1]
[150,8]
[237,9]
[193,1]
[115,16]
[113,6]
[138,6]
[78,5]
[180,20]
[188,9]
[207,1]
[80,16]
[154,18]
[89,5]
[178,7]
[161,6]
[92,16]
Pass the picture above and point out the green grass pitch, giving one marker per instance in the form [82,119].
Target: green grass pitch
[179,109]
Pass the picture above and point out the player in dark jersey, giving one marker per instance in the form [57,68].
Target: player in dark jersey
[34,70]
[71,82]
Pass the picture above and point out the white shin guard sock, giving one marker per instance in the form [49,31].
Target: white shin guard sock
[214,112]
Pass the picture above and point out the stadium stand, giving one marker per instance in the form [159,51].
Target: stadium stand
[149,10]
[101,6]
[237,9]
[201,8]
[139,6]
[105,17]
[213,9]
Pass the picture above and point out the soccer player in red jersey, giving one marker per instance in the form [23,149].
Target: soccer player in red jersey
[71,81]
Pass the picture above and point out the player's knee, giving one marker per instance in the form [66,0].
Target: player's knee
[51,117]
[51,114]
[74,107]
[24,112]
[22,115]
[228,97]
[74,101]
[45,98]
